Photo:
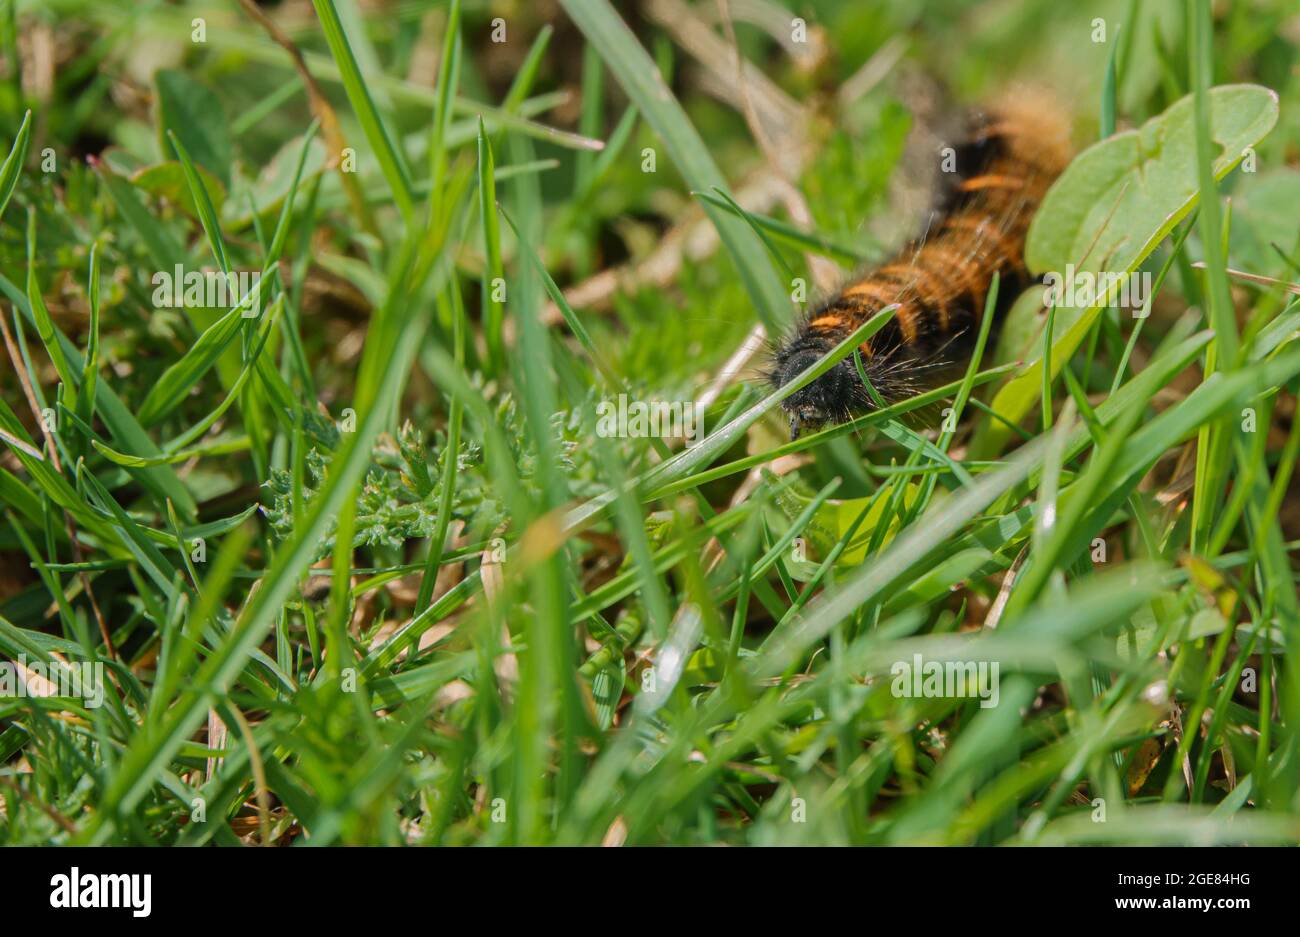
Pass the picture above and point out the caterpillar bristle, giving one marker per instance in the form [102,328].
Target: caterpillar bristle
[999,172]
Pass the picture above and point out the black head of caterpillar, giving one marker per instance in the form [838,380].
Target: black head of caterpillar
[895,370]
[832,398]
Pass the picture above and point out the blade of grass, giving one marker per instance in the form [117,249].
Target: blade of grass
[13,164]
[644,84]
[363,105]
[493,279]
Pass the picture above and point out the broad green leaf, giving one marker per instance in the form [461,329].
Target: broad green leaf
[839,516]
[193,112]
[1264,210]
[1118,200]
[1143,641]
[273,184]
[832,521]
[1022,327]
[167,180]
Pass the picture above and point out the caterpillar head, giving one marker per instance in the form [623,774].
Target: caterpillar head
[831,398]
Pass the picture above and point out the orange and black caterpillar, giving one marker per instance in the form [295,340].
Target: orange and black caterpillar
[1008,158]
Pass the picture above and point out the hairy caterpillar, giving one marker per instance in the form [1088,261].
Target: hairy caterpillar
[1010,155]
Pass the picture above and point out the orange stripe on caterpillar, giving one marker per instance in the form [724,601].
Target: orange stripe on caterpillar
[880,292]
[885,295]
[928,289]
[906,317]
[991,181]
[827,322]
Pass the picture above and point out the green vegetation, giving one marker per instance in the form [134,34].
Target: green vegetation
[345,551]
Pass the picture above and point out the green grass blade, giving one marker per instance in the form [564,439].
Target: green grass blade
[358,91]
[643,83]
